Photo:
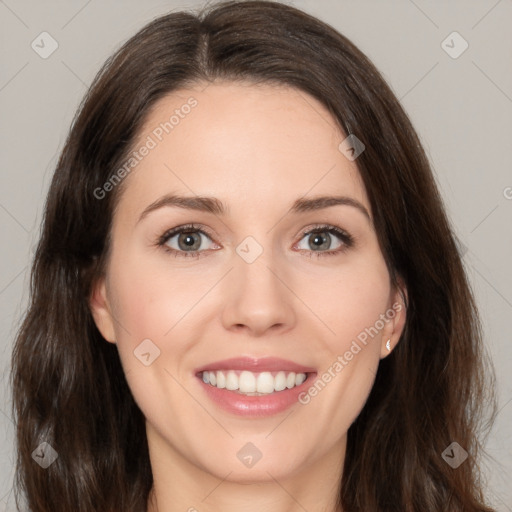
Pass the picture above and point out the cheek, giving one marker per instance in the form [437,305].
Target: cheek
[156,305]
[349,301]
[150,298]
[353,309]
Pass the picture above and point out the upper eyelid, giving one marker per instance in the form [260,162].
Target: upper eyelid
[169,233]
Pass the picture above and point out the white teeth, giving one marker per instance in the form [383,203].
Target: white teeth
[221,379]
[231,381]
[299,379]
[250,383]
[265,383]
[247,382]
[280,381]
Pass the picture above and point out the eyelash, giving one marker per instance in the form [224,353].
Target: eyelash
[347,239]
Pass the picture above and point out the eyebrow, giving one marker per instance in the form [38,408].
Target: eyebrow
[215,206]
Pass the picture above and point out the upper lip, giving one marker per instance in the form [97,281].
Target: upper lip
[262,364]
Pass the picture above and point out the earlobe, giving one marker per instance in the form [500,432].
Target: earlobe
[100,310]
[396,315]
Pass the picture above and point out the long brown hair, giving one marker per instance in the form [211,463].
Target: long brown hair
[69,389]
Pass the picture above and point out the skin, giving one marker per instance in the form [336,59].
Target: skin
[257,148]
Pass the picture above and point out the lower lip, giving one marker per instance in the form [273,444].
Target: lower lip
[253,406]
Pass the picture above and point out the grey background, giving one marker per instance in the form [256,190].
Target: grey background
[461,107]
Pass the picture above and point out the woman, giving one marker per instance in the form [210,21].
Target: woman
[247,293]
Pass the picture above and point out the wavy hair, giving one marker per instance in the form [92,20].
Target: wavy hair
[69,389]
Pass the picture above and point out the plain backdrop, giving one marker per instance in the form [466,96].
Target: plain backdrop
[459,99]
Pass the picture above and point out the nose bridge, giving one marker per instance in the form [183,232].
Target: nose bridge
[257,295]
[253,266]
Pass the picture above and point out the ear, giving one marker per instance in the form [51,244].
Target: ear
[395,316]
[100,309]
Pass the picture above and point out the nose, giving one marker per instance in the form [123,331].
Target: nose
[258,297]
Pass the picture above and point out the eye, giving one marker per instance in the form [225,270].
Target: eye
[188,241]
[321,237]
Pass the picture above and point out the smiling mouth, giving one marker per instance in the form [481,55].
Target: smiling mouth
[250,383]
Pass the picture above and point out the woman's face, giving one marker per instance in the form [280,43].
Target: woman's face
[255,281]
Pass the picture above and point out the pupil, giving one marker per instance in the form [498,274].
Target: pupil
[188,240]
[319,240]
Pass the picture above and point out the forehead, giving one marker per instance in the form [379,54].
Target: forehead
[248,145]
